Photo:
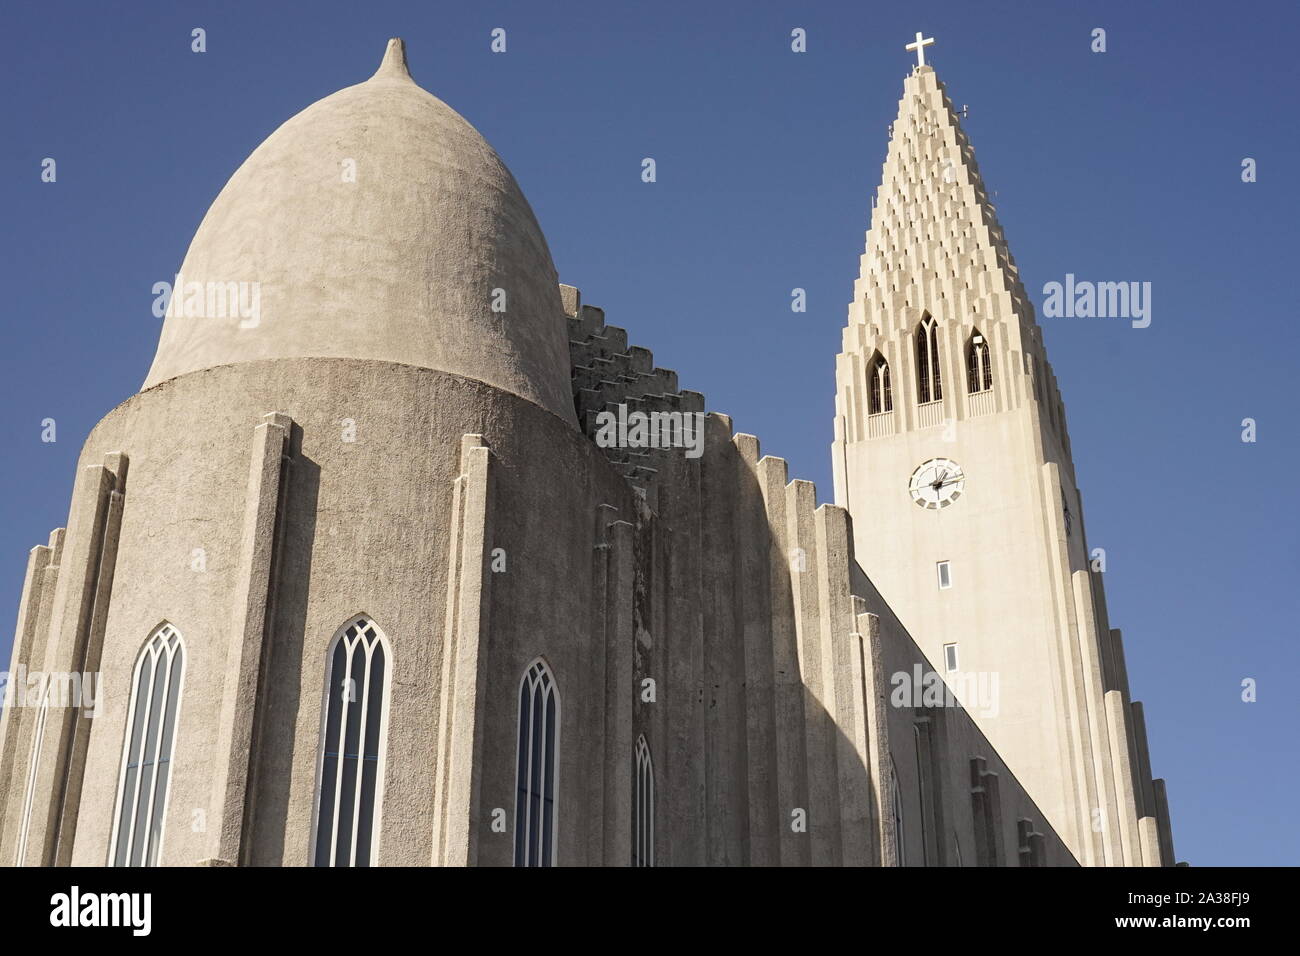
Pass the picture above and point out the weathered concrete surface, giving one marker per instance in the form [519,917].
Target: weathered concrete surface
[399,265]
[366,525]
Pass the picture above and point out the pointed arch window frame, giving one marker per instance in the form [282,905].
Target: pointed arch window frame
[328,697]
[123,846]
[929,374]
[643,831]
[880,393]
[979,363]
[537,846]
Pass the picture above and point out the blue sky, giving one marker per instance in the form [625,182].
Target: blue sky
[1123,165]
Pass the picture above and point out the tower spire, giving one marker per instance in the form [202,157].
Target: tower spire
[935,240]
[950,437]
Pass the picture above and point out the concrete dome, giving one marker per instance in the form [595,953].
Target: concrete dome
[400,262]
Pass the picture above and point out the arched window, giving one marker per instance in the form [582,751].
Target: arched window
[929,380]
[537,750]
[355,724]
[896,800]
[979,367]
[921,776]
[880,393]
[643,849]
[147,751]
[37,736]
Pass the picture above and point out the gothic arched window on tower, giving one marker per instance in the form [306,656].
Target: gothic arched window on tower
[643,835]
[536,765]
[351,764]
[880,394]
[979,367]
[147,751]
[929,380]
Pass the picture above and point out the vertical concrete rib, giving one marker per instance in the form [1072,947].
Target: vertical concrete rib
[788,693]
[15,718]
[753,555]
[834,555]
[460,728]
[619,694]
[249,620]
[1100,737]
[823,790]
[1164,831]
[91,652]
[70,618]
[873,740]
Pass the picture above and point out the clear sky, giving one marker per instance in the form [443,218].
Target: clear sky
[1123,165]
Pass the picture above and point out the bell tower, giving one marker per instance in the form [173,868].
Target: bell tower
[951,454]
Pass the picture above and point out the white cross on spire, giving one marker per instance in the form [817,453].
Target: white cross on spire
[919,46]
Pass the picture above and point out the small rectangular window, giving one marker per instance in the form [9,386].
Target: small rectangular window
[945,575]
[950,657]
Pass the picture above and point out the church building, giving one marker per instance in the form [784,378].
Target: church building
[403,556]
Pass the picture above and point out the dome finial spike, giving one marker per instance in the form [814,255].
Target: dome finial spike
[394,62]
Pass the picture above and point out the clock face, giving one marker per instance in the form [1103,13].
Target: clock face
[937,483]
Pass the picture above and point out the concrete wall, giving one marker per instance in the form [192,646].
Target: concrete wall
[257,536]
[363,528]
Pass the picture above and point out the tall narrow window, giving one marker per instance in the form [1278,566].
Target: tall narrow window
[928,378]
[880,394]
[643,848]
[945,575]
[979,367]
[147,751]
[38,735]
[539,721]
[950,658]
[351,776]
[920,793]
[896,799]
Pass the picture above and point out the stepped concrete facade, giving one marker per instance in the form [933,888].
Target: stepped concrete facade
[1024,598]
[364,582]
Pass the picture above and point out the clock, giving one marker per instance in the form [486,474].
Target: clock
[937,483]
